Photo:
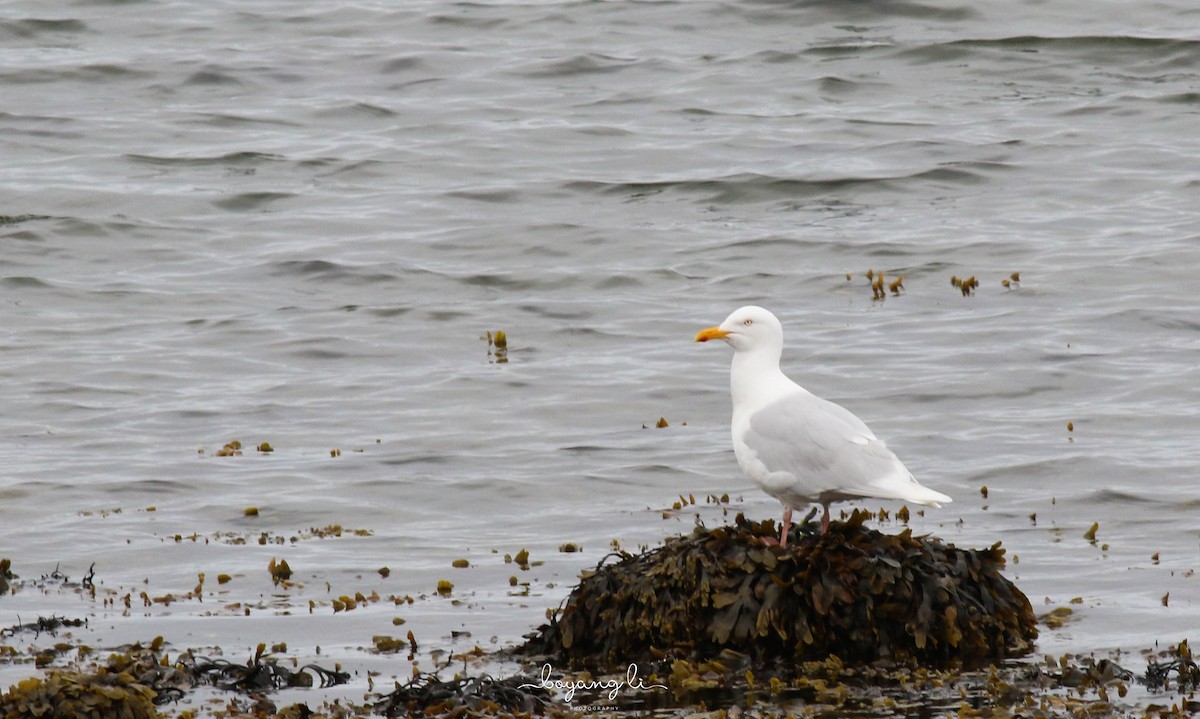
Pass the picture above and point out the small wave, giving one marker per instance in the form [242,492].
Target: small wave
[231,158]
[468,21]
[388,312]
[356,110]
[108,70]
[863,11]
[848,49]
[748,188]
[555,312]
[491,279]
[19,219]
[1084,42]
[424,458]
[306,267]
[25,283]
[211,76]
[589,64]
[1113,496]
[402,64]
[250,201]
[40,28]
[86,74]
[150,487]
[772,242]
[326,270]
[358,169]
[838,86]
[587,449]
[315,353]
[486,195]
[229,121]
[1125,51]
[1182,98]
[10,119]
[615,282]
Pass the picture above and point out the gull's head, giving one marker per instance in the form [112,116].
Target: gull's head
[747,329]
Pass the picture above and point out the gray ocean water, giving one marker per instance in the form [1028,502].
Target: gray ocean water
[295,222]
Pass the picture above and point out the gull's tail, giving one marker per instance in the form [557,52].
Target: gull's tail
[914,492]
[904,488]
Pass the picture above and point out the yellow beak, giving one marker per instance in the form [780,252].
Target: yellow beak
[712,333]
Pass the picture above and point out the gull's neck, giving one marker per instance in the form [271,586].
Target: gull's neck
[755,378]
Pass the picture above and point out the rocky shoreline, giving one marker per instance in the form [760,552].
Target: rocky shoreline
[715,623]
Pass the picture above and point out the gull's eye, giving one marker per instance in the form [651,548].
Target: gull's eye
[747,322]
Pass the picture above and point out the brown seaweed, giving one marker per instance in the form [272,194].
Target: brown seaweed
[50,625]
[136,678]
[6,575]
[472,696]
[854,592]
[1183,665]
[262,673]
[65,693]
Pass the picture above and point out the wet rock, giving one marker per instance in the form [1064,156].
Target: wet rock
[855,593]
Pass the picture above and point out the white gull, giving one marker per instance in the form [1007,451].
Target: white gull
[796,446]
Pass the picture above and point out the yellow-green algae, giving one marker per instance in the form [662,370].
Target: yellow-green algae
[65,693]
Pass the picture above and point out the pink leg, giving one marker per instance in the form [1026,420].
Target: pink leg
[825,520]
[787,524]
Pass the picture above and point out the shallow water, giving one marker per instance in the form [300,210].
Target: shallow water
[296,224]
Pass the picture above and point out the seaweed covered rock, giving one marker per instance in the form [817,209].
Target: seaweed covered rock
[854,592]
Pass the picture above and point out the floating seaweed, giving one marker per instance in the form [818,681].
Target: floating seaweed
[263,673]
[137,677]
[476,696]
[54,580]
[231,449]
[1187,672]
[1087,673]
[280,571]
[6,575]
[498,346]
[855,593]
[967,286]
[1057,617]
[49,625]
